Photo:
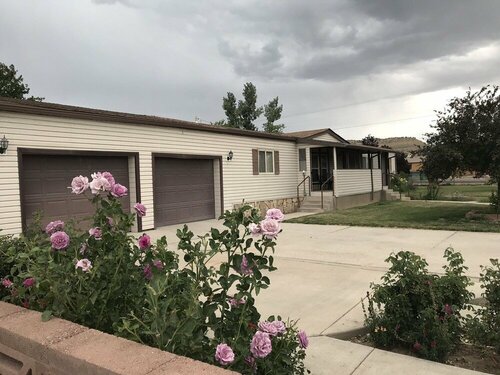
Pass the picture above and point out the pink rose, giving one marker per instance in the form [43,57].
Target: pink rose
[108,176]
[99,183]
[270,228]
[29,282]
[59,240]
[84,264]
[148,272]
[245,269]
[280,326]
[224,354]
[303,339]
[254,229]
[158,264]
[79,184]
[140,209]
[7,283]
[96,232]
[268,327]
[276,214]
[417,346]
[261,345]
[236,302]
[119,190]
[144,241]
[54,226]
[110,221]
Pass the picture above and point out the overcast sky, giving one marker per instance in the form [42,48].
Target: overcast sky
[358,67]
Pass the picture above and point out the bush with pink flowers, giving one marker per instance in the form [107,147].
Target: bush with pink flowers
[105,278]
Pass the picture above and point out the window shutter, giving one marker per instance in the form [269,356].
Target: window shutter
[276,162]
[255,161]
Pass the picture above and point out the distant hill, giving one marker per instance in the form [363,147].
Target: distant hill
[405,144]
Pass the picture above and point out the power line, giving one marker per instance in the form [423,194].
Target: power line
[339,107]
[382,122]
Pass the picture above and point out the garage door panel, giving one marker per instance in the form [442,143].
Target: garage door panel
[183,190]
[45,181]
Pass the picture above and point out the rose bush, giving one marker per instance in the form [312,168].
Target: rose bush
[106,279]
[418,310]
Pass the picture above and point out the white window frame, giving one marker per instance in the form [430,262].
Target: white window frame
[266,152]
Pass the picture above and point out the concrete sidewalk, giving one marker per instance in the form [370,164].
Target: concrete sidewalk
[324,272]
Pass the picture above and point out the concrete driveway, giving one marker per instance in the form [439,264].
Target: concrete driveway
[325,270]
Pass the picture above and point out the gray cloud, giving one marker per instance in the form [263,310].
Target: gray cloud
[178,58]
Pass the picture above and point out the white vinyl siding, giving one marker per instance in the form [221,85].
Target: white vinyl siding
[44,132]
[357,181]
[328,138]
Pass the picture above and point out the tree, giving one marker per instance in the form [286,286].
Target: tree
[231,110]
[11,84]
[247,108]
[439,162]
[402,165]
[243,113]
[272,112]
[370,140]
[467,137]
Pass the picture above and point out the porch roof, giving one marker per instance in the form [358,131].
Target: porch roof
[346,145]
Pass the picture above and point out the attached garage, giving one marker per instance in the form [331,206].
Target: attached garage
[44,178]
[184,189]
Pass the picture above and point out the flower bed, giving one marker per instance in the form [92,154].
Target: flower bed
[105,279]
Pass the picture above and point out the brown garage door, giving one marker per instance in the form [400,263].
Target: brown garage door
[183,190]
[45,179]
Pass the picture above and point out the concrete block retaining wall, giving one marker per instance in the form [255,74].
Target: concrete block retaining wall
[29,346]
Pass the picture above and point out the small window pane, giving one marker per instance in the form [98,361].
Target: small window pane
[302,159]
[262,161]
[269,161]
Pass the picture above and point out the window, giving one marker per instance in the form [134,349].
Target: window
[355,159]
[302,159]
[266,161]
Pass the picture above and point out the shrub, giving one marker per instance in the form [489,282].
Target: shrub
[418,310]
[484,326]
[106,279]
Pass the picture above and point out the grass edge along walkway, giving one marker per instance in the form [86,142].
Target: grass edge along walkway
[413,214]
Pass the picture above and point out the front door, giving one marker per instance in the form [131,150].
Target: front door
[321,168]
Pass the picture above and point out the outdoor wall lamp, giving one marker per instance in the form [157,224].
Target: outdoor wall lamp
[4,143]
[230,155]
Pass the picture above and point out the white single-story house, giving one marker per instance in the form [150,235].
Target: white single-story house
[181,171]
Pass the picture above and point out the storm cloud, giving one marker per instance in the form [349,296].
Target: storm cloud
[332,62]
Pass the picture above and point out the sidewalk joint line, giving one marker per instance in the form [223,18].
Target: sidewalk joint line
[446,239]
[344,314]
[362,361]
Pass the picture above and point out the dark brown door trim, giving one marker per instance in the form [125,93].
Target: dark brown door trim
[155,155]
[37,151]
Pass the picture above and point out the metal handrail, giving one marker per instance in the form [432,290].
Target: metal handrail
[298,188]
[323,184]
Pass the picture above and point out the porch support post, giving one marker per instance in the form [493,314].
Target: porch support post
[334,170]
[371,174]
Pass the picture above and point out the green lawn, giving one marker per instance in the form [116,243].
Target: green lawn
[479,193]
[414,214]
